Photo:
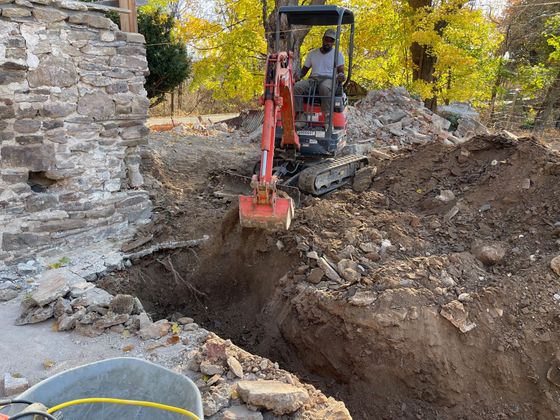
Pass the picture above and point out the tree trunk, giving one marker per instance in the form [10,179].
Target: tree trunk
[550,99]
[269,23]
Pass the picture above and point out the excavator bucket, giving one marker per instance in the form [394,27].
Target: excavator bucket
[276,215]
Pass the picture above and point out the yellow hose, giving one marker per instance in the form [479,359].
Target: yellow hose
[125,402]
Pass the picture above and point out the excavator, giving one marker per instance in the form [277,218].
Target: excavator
[299,150]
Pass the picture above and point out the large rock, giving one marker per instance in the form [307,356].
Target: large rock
[489,253]
[53,71]
[456,313]
[277,396]
[329,271]
[555,265]
[34,314]
[54,284]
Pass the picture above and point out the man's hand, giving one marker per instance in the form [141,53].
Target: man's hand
[341,77]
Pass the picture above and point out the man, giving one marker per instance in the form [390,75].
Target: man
[321,61]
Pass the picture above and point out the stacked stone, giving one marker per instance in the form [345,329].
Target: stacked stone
[72,113]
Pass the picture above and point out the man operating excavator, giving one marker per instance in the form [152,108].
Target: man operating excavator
[321,63]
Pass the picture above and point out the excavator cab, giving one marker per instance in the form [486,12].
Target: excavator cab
[320,135]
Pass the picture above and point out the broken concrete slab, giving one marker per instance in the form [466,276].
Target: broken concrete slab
[277,396]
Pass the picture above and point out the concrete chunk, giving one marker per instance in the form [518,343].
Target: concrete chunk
[277,396]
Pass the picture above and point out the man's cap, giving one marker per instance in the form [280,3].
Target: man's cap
[330,33]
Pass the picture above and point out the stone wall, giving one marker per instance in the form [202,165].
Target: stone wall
[72,113]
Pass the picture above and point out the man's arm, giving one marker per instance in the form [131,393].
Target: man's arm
[303,72]
[341,76]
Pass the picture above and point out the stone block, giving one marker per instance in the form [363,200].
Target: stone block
[57,109]
[17,241]
[102,51]
[53,71]
[14,385]
[27,126]
[277,396]
[16,12]
[36,157]
[120,87]
[98,105]
[17,54]
[49,15]
[7,111]
[7,77]
[91,20]
[29,139]
[134,63]
[39,202]
[15,175]
[15,42]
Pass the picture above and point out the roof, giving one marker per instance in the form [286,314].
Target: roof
[316,15]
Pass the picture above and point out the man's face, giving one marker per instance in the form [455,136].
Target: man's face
[327,43]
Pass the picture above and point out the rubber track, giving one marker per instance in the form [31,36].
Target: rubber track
[308,176]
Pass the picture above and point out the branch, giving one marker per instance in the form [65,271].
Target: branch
[166,245]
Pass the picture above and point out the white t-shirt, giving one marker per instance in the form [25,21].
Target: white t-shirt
[322,64]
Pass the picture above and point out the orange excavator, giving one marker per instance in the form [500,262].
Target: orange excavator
[304,150]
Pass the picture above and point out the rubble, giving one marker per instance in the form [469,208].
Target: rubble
[392,117]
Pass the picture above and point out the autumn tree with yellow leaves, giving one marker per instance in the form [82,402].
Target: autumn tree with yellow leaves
[439,49]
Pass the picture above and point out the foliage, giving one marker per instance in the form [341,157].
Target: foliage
[229,46]
[168,61]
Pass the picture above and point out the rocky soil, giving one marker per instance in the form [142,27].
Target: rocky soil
[429,291]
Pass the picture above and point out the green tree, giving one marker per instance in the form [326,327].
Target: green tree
[168,61]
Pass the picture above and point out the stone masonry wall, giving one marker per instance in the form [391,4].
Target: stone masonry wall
[72,113]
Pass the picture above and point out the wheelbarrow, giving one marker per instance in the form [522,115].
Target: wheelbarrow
[120,388]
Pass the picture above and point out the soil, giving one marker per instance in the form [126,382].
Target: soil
[385,344]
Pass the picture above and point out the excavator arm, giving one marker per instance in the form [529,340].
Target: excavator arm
[265,209]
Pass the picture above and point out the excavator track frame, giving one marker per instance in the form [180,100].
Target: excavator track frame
[328,176]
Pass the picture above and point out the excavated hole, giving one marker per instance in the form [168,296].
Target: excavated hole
[235,286]
[235,278]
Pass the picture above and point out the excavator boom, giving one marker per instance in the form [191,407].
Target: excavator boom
[265,209]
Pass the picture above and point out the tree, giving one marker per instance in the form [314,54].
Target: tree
[168,61]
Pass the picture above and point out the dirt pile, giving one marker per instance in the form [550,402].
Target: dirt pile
[394,117]
[434,289]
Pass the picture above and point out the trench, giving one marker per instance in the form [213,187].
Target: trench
[240,285]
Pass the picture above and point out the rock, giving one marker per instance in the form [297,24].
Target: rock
[346,263]
[54,284]
[110,319]
[67,322]
[14,385]
[62,306]
[8,294]
[93,297]
[446,196]
[53,71]
[27,268]
[122,304]
[364,178]
[185,320]
[464,297]
[555,265]
[469,127]
[369,247]
[363,298]
[35,314]
[455,313]
[329,271]
[277,396]
[351,275]
[210,369]
[489,254]
[315,276]
[79,289]
[97,105]
[313,255]
[348,252]
[215,399]
[235,366]
[154,330]
[240,412]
